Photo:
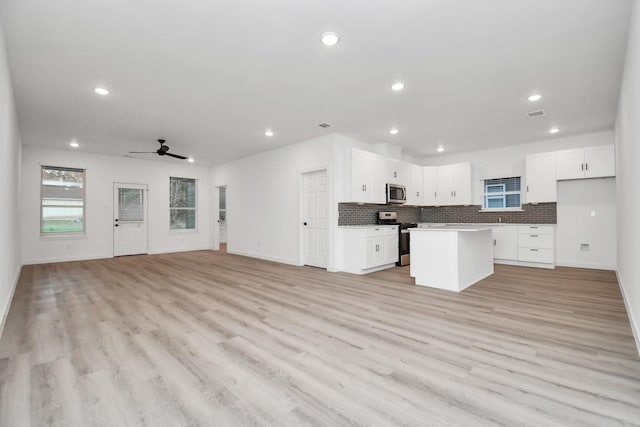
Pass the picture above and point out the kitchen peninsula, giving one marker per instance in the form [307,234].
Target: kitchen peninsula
[451,257]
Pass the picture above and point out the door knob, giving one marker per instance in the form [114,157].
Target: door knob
[116,220]
[117,225]
[304,223]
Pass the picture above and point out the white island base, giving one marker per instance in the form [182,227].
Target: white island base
[451,257]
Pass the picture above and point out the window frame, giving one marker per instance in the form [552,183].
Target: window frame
[53,234]
[194,208]
[486,195]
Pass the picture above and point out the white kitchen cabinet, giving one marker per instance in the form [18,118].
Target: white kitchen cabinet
[369,248]
[541,178]
[430,189]
[590,162]
[454,185]
[367,185]
[536,245]
[415,188]
[505,244]
[397,172]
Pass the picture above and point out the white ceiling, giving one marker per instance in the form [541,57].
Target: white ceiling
[210,76]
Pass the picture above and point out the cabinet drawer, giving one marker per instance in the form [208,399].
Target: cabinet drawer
[504,229]
[535,229]
[535,255]
[535,241]
[381,231]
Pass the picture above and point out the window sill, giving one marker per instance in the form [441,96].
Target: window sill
[502,210]
[63,236]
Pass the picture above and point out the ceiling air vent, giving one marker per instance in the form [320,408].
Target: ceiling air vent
[324,125]
[538,113]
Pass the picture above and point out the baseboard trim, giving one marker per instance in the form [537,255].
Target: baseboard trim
[7,307]
[66,259]
[588,266]
[264,257]
[635,328]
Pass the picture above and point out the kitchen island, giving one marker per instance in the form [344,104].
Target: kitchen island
[451,257]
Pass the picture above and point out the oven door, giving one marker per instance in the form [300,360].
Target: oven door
[404,247]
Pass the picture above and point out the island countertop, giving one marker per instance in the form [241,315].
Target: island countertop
[474,227]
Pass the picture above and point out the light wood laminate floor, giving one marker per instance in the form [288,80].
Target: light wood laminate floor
[205,338]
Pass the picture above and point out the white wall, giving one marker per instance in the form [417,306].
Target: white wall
[10,152]
[263,199]
[628,176]
[101,173]
[577,200]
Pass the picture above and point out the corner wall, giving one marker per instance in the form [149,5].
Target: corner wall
[10,152]
[628,176]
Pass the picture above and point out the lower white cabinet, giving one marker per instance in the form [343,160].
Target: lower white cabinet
[505,243]
[529,245]
[369,248]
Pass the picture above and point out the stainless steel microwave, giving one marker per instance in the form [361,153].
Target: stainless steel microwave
[396,194]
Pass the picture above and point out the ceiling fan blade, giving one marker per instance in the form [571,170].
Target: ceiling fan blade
[177,156]
[142,152]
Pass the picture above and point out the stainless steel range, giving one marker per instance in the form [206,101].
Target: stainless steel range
[404,244]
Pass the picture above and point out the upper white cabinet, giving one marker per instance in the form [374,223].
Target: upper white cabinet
[430,190]
[367,184]
[415,188]
[541,178]
[590,162]
[396,172]
[453,185]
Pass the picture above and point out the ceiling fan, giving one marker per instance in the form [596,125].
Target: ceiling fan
[162,151]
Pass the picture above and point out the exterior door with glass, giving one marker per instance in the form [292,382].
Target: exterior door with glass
[129,219]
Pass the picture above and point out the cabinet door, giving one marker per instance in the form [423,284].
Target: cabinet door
[570,164]
[541,178]
[599,161]
[376,190]
[392,250]
[361,175]
[396,172]
[505,246]
[415,193]
[461,183]
[430,189]
[444,184]
[371,252]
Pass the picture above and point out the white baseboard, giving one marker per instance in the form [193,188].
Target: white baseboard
[66,259]
[176,250]
[265,257]
[635,328]
[7,306]
[589,266]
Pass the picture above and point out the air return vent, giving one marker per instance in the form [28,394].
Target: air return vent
[324,125]
[538,113]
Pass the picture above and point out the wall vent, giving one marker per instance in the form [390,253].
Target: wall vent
[324,125]
[538,113]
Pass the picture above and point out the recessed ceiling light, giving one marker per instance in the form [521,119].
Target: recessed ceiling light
[329,39]
[535,97]
[440,149]
[554,130]
[398,86]
[190,160]
[74,144]
[101,91]
[268,132]
[394,131]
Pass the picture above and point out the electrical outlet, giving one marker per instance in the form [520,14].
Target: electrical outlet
[593,214]
[584,246]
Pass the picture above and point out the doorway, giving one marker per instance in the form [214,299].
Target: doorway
[314,219]
[222,216]
[129,219]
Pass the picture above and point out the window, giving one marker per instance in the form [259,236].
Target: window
[182,203]
[502,193]
[222,217]
[62,203]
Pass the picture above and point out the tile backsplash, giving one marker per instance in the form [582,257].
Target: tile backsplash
[355,214]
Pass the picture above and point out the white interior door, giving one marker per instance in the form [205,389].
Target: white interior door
[315,219]
[129,219]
